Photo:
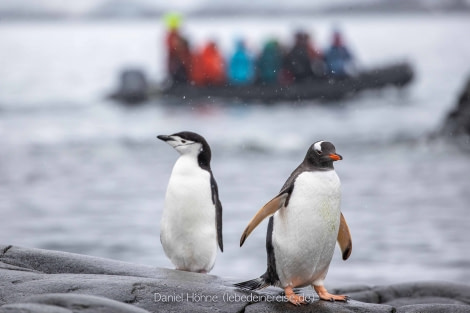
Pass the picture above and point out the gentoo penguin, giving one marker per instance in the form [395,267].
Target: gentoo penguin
[191,225]
[305,223]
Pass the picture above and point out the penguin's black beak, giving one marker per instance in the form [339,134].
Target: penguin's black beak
[164,137]
[335,157]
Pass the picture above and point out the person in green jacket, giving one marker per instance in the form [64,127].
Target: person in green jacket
[269,63]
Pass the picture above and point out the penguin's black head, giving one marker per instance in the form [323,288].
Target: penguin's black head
[189,143]
[322,154]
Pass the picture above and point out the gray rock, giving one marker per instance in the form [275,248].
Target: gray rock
[320,307]
[414,293]
[35,280]
[26,272]
[32,308]
[57,262]
[457,122]
[434,308]
[83,303]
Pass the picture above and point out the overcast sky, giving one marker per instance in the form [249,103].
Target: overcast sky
[83,6]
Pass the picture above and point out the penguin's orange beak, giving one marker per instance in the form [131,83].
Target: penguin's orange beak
[335,157]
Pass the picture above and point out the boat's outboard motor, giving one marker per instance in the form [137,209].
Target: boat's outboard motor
[133,86]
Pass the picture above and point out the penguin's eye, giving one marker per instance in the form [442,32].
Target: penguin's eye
[183,141]
[318,152]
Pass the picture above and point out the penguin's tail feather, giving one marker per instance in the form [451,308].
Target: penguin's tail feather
[254,284]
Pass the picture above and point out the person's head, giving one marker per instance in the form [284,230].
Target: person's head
[211,45]
[272,44]
[240,44]
[337,38]
[301,37]
[173,21]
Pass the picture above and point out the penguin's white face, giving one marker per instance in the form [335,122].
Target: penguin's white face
[317,146]
[184,146]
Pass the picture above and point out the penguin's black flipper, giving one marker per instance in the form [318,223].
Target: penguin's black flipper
[218,212]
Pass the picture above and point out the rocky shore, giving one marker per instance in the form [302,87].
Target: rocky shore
[457,122]
[35,280]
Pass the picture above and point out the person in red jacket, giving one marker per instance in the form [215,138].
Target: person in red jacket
[197,76]
[208,66]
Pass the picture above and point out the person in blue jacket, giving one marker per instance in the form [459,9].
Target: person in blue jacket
[338,58]
[241,66]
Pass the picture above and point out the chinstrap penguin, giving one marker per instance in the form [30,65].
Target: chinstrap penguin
[305,223]
[191,224]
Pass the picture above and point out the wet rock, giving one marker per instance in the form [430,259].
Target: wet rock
[35,280]
[414,293]
[67,303]
[32,308]
[457,122]
[434,308]
[27,272]
[320,307]
[416,297]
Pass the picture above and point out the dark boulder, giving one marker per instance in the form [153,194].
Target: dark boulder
[457,122]
[35,280]
[68,303]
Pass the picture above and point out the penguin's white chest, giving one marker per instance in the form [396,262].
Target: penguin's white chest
[188,231]
[305,232]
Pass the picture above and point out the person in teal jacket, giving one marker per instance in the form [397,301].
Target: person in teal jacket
[241,67]
[269,63]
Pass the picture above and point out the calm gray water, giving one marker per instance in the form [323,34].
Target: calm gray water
[81,174]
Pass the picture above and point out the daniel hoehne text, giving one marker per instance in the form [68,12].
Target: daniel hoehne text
[225,297]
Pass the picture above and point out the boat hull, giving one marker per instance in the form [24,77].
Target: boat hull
[326,89]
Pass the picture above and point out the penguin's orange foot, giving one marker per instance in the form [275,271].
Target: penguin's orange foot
[325,295]
[293,298]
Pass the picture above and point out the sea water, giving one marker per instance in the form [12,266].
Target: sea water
[82,174]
